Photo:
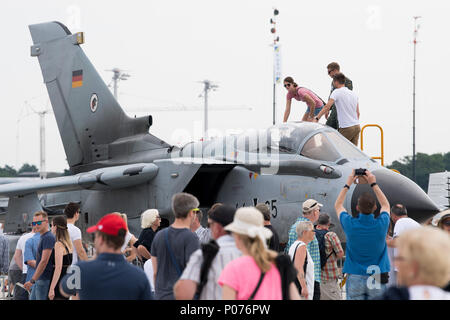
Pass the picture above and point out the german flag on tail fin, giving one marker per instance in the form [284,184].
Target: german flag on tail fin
[77,78]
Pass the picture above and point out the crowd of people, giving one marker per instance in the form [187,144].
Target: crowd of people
[237,255]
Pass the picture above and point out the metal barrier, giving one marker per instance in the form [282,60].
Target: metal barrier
[382,141]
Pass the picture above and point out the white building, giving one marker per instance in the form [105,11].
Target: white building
[439,189]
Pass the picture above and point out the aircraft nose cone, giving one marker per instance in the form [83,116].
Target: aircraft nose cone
[399,189]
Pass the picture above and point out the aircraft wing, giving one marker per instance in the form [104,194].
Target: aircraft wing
[99,179]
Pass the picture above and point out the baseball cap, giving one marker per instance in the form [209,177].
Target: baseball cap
[223,214]
[109,224]
[310,204]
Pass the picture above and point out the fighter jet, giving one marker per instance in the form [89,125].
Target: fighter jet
[118,165]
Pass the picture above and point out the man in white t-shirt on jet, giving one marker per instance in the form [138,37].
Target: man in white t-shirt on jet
[402,223]
[347,108]
[72,212]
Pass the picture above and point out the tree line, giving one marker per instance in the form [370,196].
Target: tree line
[8,171]
[425,164]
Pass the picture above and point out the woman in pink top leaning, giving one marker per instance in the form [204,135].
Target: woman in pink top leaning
[254,275]
[315,104]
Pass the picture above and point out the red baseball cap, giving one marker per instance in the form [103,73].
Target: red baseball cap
[109,224]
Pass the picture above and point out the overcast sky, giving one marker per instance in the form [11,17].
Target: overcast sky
[168,46]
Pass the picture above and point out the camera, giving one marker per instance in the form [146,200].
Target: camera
[360,172]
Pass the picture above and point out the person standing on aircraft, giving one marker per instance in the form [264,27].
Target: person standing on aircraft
[347,108]
[311,211]
[61,255]
[109,276]
[333,68]
[366,252]
[314,103]
[44,270]
[72,212]
[172,247]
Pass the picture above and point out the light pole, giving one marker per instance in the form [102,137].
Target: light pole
[276,60]
[416,28]
[208,85]
[118,75]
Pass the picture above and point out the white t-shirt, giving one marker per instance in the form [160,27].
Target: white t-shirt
[403,225]
[309,276]
[128,237]
[21,246]
[148,269]
[346,103]
[75,234]
[427,293]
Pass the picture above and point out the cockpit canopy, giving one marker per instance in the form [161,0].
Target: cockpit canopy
[299,138]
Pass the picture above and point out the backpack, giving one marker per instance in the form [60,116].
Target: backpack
[320,235]
[209,251]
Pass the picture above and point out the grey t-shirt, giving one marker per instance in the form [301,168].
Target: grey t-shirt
[183,243]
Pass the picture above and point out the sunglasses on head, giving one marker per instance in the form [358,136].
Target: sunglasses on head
[37,223]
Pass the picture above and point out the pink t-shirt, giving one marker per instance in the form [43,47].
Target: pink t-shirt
[242,274]
[300,96]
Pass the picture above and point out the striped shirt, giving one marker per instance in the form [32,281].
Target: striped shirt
[332,244]
[313,248]
[203,234]
[227,252]
[4,254]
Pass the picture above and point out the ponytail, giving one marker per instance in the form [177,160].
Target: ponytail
[263,257]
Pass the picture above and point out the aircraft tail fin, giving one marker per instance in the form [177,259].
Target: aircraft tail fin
[89,118]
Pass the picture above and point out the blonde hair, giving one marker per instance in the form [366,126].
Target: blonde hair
[429,248]
[148,217]
[43,214]
[255,247]
[123,216]
[62,233]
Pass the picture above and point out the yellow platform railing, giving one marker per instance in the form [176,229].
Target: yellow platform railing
[382,141]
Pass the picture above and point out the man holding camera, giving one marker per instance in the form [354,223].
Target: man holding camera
[366,262]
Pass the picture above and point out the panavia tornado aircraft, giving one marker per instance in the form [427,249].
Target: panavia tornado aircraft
[118,165]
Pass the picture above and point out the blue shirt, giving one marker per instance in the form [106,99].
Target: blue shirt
[109,277]
[47,242]
[366,243]
[31,248]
